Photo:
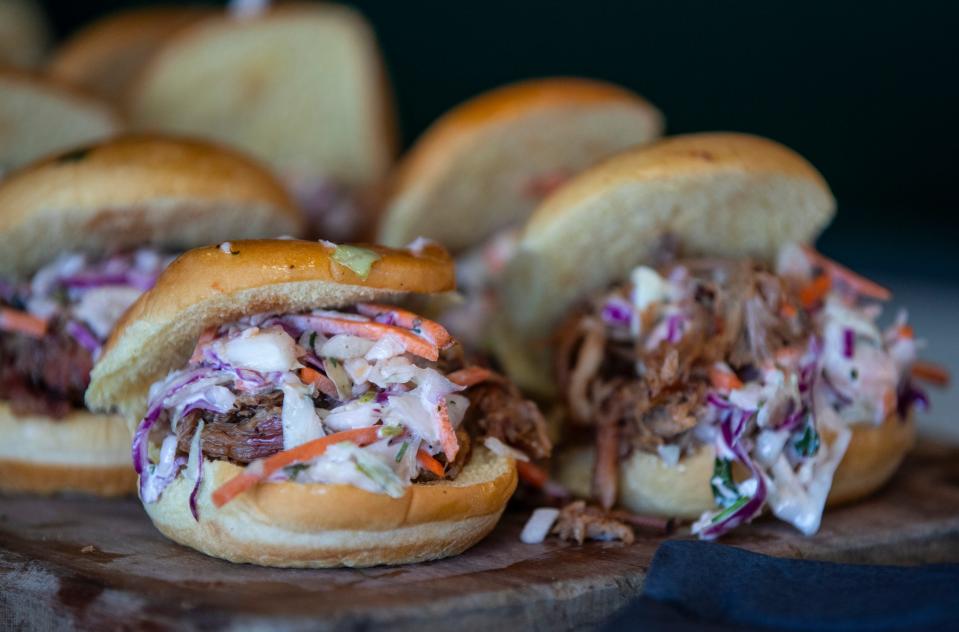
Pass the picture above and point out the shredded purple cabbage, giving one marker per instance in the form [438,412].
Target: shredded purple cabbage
[731,428]
[617,312]
[84,337]
[196,487]
[848,343]
[911,395]
[674,328]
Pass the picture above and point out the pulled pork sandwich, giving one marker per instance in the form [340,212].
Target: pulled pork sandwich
[477,174]
[85,233]
[288,415]
[750,374]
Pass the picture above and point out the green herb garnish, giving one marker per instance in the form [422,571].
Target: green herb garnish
[359,260]
[313,342]
[730,510]
[399,455]
[807,443]
[391,431]
[293,471]
[725,487]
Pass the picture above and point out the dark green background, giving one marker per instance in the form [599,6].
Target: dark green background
[868,91]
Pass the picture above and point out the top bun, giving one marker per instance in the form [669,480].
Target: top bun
[39,116]
[218,284]
[170,192]
[301,86]
[472,172]
[720,194]
[105,56]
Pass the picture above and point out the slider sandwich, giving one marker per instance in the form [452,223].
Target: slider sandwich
[84,234]
[719,366]
[289,414]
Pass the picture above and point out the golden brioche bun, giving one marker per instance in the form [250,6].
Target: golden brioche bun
[314,526]
[469,174]
[647,485]
[82,452]
[166,191]
[301,86]
[39,116]
[106,56]
[720,194]
[209,286]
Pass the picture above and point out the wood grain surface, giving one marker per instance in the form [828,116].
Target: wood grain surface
[78,563]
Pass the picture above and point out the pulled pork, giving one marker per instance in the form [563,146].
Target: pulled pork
[45,376]
[641,398]
[253,429]
[578,522]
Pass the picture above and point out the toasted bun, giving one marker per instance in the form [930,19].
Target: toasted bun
[83,452]
[39,116]
[721,194]
[301,86]
[470,174]
[318,526]
[23,33]
[208,286]
[105,56]
[171,192]
[649,486]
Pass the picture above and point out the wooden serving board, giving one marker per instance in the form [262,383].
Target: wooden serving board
[77,563]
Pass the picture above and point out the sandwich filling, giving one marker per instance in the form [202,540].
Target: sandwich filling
[768,367]
[53,325]
[371,396]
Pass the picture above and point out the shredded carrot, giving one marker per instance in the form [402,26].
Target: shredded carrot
[930,372]
[263,469]
[409,320]
[788,310]
[812,294]
[473,375]
[417,345]
[324,384]
[14,320]
[447,435]
[531,474]
[857,283]
[724,380]
[905,331]
[430,464]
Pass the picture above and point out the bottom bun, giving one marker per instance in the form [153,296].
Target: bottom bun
[301,525]
[647,485]
[82,452]
[873,456]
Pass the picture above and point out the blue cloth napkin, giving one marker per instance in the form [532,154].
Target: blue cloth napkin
[708,586]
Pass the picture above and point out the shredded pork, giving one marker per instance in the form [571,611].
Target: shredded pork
[641,398]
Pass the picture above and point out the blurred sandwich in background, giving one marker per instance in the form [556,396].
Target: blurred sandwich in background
[40,116]
[104,57]
[301,86]
[475,176]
